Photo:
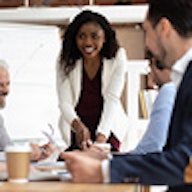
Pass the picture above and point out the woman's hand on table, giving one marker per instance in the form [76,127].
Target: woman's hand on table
[81,132]
[101,138]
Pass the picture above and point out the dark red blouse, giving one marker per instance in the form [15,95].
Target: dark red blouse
[90,106]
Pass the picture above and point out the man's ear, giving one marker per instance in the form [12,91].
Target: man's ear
[164,27]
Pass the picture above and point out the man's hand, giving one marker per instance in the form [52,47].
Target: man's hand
[2,166]
[84,169]
[41,152]
[188,172]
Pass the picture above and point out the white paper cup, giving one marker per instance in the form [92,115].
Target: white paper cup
[18,163]
[106,147]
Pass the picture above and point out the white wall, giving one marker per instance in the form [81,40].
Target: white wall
[31,52]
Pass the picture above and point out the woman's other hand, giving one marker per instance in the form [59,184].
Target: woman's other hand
[82,133]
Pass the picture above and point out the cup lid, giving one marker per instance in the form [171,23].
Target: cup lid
[18,148]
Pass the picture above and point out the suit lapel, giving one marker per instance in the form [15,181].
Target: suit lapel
[174,128]
[106,74]
[76,80]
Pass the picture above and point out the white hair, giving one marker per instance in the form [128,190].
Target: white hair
[3,64]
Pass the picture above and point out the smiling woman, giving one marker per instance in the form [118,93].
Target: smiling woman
[31,52]
[90,81]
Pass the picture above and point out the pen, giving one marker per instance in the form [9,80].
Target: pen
[50,136]
[51,140]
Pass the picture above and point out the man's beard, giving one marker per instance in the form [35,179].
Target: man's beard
[2,105]
[3,102]
[159,64]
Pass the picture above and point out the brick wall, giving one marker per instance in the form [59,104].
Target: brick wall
[16,3]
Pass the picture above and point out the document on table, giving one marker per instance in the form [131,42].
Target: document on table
[49,171]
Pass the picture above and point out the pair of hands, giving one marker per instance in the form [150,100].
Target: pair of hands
[87,162]
[41,152]
[83,134]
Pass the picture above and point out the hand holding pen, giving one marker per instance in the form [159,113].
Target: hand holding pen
[50,137]
[41,152]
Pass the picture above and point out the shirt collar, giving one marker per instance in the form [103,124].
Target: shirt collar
[178,69]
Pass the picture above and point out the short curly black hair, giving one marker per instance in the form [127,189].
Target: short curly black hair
[70,52]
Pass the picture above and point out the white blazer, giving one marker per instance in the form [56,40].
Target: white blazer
[113,118]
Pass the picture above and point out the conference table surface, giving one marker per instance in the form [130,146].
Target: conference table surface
[57,186]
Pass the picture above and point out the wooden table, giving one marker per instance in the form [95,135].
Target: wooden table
[59,186]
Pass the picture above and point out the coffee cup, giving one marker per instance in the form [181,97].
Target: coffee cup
[18,163]
[106,147]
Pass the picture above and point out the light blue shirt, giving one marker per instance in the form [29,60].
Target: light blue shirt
[156,134]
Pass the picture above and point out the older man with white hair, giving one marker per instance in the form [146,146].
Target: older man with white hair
[4,91]
[38,152]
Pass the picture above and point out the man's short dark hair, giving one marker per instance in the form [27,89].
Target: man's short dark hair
[178,12]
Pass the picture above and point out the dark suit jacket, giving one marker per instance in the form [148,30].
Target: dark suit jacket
[167,167]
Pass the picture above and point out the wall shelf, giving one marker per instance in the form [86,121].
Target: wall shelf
[62,15]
